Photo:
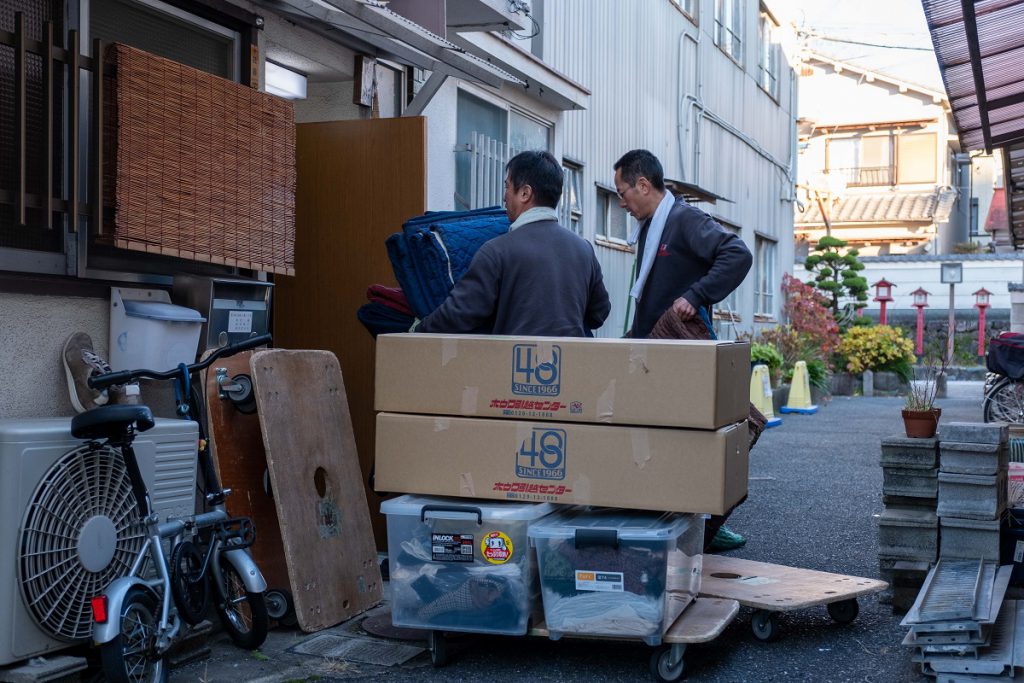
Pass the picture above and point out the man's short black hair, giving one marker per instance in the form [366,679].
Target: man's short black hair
[639,163]
[540,171]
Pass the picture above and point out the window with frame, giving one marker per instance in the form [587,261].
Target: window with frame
[570,208]
[612,219]
[915,158]
[864,160]
[205,38]
[489,135]
[688,7]
[728,33]
[974,227]
[765,258]
[167,31]
[769,57]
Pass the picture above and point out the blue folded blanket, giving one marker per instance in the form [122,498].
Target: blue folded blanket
[434,250]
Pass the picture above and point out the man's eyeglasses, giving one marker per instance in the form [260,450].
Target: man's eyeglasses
[622,195]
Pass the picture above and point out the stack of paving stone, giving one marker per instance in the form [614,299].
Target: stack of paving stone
[944,498]
[961,627]
[973,461]
[908,530]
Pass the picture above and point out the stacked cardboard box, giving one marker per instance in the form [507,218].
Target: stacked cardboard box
[642,424]
[908,535]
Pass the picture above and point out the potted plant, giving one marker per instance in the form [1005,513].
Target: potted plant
[920,415]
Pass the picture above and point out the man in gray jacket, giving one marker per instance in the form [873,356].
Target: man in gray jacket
[537,279]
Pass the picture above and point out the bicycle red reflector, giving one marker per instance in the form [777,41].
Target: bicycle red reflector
[99,609]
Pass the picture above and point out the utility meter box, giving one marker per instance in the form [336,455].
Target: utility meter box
[148,331]
[238,307]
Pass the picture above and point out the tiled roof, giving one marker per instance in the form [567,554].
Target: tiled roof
[936,258]
[885,207]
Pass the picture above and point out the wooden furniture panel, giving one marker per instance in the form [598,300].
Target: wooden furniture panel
[358,181]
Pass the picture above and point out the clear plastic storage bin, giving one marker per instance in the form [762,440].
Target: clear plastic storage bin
[621,573]
[462,565]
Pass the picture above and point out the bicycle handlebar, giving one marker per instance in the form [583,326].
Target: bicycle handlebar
[124,376]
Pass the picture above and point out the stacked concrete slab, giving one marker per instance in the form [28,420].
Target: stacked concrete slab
[908,529]
[944,499]
[973,461]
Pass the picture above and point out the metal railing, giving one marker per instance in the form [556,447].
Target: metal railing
[487,170]
[61,72]
[860,176]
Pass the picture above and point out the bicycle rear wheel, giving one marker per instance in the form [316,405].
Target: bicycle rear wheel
[243,614]
[130,657]
[1004,402]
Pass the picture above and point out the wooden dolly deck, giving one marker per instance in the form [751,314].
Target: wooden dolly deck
[702,621]
[773,588]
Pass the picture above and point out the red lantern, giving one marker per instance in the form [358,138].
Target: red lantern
[981,303]
[920,303]
[883,295]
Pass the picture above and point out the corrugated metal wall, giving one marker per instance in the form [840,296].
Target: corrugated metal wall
[639,60]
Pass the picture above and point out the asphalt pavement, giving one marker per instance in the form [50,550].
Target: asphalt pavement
[815,493]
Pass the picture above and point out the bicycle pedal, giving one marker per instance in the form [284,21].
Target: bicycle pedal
[238,532]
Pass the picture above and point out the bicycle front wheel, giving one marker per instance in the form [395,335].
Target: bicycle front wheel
[130,657]
[1004,402]
[243,614]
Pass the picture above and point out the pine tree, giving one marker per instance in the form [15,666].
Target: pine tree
[837,273]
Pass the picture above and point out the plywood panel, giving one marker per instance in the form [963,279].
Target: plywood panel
[358,181]
[314,471]
[237,445]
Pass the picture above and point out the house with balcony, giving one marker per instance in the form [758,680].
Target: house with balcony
[885,171]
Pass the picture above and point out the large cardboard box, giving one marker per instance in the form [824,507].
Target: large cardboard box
[693,384]
[677,470]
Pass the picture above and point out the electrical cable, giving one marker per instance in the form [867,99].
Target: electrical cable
[849,41]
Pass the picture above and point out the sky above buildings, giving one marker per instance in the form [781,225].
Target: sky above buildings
[890,23]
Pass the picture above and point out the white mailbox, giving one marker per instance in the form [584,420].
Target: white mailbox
[148,331]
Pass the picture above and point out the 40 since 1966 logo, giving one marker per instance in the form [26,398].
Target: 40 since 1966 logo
[542,455]
[534,375]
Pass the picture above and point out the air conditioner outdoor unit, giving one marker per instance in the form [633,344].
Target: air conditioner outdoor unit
[68,525]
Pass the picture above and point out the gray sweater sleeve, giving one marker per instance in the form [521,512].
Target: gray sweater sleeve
[471,303]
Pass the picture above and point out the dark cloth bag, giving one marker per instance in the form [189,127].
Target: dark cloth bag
[1006,355]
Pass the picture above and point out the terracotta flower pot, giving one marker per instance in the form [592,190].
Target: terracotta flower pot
[921,424]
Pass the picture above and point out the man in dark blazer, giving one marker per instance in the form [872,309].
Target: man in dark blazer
[685,261]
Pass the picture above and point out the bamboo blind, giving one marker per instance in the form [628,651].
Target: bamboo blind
[203,168]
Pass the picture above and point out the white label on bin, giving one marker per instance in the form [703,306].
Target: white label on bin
[451,547]
[240,321]
[766,385]
[1018,551]
[610,582]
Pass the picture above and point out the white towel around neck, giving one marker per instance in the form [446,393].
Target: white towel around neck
[534,215]
[652,243]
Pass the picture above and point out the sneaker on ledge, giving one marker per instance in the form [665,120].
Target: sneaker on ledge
[80,363]
[726,540]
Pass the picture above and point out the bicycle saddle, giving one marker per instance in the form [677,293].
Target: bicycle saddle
[108,422]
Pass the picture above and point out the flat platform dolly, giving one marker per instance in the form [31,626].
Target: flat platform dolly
[773,588]
[702,621]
